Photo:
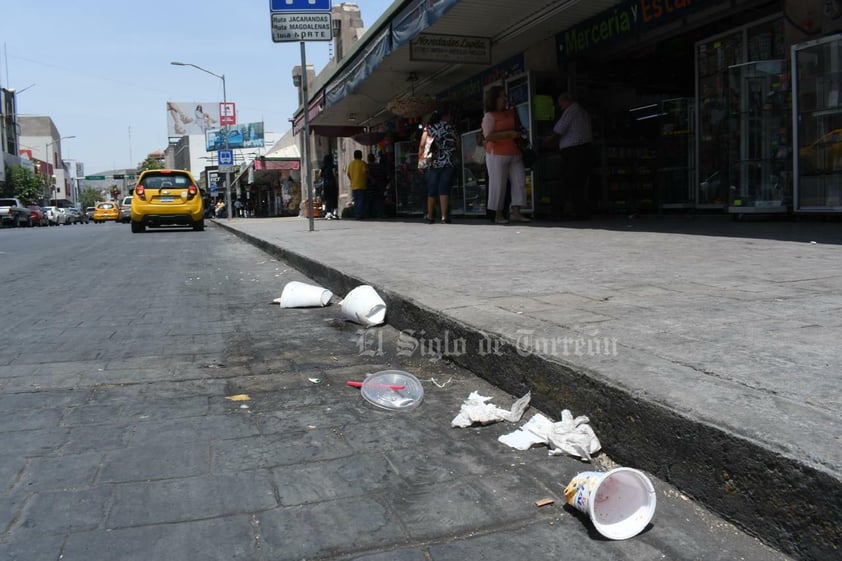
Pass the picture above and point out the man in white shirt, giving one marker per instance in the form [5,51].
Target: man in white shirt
[574,133]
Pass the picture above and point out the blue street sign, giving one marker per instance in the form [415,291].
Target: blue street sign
[225,157]
[299,5]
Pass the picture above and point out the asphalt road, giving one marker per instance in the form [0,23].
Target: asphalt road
[118,352]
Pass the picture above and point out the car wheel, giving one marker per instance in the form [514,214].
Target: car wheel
[138,227]
[199,226]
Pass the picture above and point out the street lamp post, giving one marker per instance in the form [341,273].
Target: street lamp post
[50,160]
[228,209]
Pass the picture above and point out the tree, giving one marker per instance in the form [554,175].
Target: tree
[149,163]
[23,184]
[89,197]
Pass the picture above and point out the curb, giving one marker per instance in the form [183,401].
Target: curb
[788,503]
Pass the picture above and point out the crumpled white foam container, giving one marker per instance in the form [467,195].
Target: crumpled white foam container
[302,295]
[364,306]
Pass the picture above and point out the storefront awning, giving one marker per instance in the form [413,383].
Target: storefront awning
[416,18]
[378,69]
[365,63]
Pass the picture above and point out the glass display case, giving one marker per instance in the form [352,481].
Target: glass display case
[676,153]
[817,124]
[759,114]
[410,188]
[474,173]
[757,41]
[713,57]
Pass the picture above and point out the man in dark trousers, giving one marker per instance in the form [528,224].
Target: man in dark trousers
[573,130]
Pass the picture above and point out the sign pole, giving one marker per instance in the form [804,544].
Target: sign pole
[305,169]
[302,20]
[229,212]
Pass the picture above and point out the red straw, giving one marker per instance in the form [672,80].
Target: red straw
[389,386]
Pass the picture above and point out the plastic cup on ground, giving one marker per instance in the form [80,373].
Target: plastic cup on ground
[620,502]
[302,295]
[364,306]
[393,389]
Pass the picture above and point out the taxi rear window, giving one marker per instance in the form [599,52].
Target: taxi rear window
[168,180]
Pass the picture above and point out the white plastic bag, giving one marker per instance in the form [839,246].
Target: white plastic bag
[476,410]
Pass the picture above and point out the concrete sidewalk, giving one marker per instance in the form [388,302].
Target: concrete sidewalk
[704,350]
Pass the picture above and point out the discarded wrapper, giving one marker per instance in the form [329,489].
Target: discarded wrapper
[620,503]
[568,436]
[364,306]
[475,410]
[302,295]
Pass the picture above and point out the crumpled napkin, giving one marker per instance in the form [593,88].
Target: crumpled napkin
[476,410]
[568,436]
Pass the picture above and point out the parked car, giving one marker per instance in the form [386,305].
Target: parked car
[13,213]
[106,211]
[37,216]
[74,215]
[167,197]
[126,210]
[89,212]
[55,215]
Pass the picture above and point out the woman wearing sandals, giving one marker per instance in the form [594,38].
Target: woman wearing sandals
[502,156]
[437,156]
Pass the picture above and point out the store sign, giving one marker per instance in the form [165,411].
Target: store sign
[450,48]
[622,22]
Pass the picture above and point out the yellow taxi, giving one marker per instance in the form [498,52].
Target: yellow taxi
[167,197]
[106,211]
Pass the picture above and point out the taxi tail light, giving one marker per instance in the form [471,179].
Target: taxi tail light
[140,191]
[192,191]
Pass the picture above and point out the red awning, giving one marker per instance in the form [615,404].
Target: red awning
[267,164]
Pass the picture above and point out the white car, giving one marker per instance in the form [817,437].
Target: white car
[55,215]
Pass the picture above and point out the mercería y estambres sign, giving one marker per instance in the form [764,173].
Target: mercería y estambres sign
[621,21]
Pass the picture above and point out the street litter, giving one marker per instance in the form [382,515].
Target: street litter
[395,387]
[302,295]
[314,380]
[238,397]
[620,502]
[475,410]
[440,385]
[568,436]
[544,502]
[364,306]
[391,389]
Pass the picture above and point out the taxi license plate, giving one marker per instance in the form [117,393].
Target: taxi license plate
[166,199]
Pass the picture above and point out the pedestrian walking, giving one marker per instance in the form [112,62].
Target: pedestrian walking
[439,148]
[358,174]
[330,187]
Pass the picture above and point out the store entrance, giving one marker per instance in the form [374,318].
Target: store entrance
[642,109]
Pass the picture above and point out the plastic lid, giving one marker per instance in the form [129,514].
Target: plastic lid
[382,389]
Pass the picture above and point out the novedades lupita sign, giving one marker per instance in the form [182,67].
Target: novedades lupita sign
[450,48]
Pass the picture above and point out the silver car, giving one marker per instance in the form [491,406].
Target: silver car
[125,210]
[74,216]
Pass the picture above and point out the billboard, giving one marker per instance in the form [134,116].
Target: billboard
[190,117]
[246,135]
